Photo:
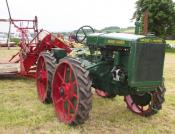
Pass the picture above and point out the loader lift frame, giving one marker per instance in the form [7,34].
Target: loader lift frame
[30,49]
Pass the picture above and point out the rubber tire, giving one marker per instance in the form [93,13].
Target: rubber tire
[50,62]
[84,91]
[157,105]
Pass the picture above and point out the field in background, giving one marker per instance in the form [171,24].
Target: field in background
[21,112]
[6,54]
[170,42]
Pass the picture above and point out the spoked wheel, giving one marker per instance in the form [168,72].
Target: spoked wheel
[103,94]
[71,92]
[45,68]
[146,104]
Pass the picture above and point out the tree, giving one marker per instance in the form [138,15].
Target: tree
[161,16]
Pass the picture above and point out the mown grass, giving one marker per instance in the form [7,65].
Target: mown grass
[6,54]
[21,111]
[170,42]
[170,50]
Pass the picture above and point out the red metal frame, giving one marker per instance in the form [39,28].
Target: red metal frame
[30,50]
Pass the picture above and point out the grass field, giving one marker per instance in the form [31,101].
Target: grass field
[170,42]
[22,113]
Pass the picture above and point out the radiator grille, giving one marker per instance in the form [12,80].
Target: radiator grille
[149,62]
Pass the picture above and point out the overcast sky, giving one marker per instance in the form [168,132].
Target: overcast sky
[67,15]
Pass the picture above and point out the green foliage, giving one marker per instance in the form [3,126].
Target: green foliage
[170,50]
[16,40]
[110,29]
[117,29]
[161,16]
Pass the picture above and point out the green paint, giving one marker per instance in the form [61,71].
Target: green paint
[134,55]
[59,53]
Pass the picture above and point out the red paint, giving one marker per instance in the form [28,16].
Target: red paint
[42,78]
[101,93]
[141,110]
[30,50]
[64,92]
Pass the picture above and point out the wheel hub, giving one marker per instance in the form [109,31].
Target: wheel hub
[65,90]
[61,91]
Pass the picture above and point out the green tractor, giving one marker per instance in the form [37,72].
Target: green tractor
[113,64]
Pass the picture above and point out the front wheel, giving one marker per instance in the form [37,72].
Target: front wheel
[146,104]
[71,92]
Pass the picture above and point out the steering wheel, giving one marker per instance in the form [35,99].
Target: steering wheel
[82,33]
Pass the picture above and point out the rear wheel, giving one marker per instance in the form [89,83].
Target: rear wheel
[71,91]
[146,104]
[45,68]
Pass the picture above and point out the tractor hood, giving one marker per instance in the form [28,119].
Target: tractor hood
[119,39]
[118,36]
